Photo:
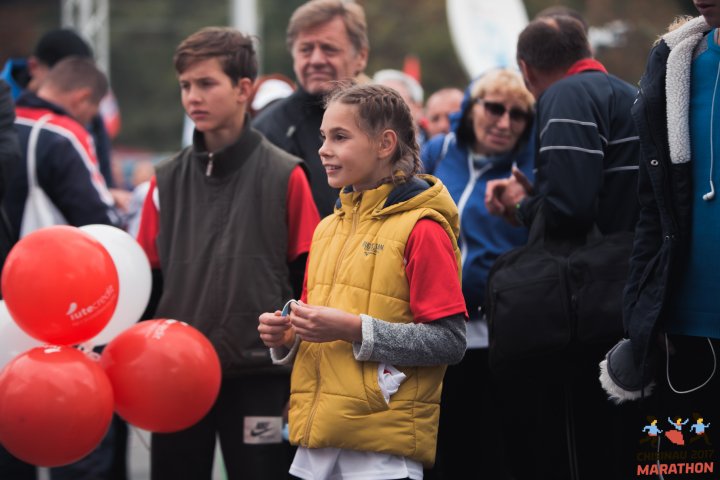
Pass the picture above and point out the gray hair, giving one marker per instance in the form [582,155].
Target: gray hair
[412,85]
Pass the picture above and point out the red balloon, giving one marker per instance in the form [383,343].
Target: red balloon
[60,285]
[55,405]
[165,375]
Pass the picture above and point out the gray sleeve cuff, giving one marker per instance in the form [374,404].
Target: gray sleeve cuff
[441,342]
[283,355]
[364,350]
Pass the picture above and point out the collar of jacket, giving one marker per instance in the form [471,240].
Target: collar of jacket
[497,162]
[229,159]
[30,99]
[388,198]
[310,102]
[682,43]
[586,65]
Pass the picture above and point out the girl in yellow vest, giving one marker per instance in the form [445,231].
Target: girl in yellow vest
[382,311]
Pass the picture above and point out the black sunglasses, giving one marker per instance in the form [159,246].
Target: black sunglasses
[498,110]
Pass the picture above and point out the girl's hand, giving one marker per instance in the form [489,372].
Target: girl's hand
[324,324]
[276,330]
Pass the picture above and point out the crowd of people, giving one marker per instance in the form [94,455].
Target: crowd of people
[333,236]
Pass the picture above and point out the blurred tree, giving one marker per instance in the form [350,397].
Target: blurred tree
[420,29]
[143,39]
[645,20]
[144,35]
[22,23]
[275,16]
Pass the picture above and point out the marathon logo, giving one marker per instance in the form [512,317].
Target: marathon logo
[656,469]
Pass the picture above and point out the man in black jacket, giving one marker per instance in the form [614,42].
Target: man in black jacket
[587,163]
[66,168]
[328,42]
[28,74]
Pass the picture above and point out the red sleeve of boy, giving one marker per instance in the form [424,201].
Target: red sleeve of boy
[432,272]
[302,213]
[149,226]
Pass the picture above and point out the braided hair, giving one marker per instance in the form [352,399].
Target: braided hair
[381,108]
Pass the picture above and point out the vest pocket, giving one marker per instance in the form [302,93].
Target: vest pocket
[375,399]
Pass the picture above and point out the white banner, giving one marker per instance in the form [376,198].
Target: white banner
[485,32]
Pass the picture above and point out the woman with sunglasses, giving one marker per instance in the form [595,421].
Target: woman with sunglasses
[489,137]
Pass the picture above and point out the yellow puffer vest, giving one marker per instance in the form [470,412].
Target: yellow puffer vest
[357,265]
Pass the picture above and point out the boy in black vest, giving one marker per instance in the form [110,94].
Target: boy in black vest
[228,222]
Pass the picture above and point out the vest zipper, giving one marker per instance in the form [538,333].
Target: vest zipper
[313,409]
[208,170]
[345,246]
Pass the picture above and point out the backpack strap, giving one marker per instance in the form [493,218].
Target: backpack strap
[32,149]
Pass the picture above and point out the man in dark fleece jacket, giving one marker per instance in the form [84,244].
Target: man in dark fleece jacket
[328,41]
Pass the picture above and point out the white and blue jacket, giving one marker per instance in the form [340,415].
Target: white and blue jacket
[483,237]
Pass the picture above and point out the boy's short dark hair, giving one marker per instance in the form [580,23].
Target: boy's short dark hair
[235,51]
[57,44]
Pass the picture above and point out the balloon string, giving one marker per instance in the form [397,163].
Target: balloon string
[139,435]
[88,349]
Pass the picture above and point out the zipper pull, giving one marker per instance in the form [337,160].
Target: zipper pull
[208,170]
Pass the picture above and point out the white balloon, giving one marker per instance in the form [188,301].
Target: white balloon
[13,340]
[134,279]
